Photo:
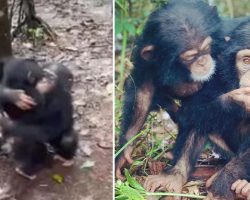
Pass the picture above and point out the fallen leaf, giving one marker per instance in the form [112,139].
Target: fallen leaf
[88,164]
[58,178]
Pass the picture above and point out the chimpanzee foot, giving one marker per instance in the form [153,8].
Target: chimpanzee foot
[65,162]
[22,173]
[122,161]
[165,182]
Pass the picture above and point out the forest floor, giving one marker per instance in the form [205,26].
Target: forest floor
[84,44]
[153,153]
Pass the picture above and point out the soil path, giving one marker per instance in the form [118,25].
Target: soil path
[84,28]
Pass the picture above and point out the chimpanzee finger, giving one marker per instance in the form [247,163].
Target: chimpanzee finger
[148,181]
[23,106]
[154,186]
[127,154]
[119,165]
[128,157]
[246,190]
[27,99]
[211,179]
[246,90]
[234,185]
[169,155]
[240,186]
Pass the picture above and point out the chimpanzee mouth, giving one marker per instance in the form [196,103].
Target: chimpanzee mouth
[205,77]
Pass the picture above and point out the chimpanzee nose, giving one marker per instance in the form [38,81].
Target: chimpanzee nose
[202,60]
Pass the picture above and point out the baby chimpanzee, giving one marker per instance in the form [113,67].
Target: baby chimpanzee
[50,122]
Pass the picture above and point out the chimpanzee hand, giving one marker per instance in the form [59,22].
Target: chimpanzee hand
[242,189]
[165,182]
[240,96]
[122,161]
[20,99]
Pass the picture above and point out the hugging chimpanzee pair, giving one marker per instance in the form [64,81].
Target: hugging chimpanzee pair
[39,105]
[187,52]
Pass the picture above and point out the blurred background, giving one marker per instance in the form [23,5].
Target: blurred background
[159,132]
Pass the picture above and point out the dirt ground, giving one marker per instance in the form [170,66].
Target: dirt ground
[84,29]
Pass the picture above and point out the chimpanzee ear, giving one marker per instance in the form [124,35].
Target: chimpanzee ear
[147,52]
[227,38]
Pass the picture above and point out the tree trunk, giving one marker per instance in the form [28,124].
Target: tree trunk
[5,40]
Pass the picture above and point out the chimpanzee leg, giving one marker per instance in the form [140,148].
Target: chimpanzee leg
[137,104]
[237,168]
[30,157]
[65,148]
[186,151]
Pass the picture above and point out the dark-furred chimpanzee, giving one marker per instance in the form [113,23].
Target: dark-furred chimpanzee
[50,121]
[211,114]
[172,60]
[235,131]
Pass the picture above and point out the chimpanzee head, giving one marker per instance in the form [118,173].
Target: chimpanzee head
[21,73]
[177,40]
[57,77]
[237,54]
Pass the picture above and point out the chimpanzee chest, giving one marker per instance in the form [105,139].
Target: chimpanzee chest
[13,111]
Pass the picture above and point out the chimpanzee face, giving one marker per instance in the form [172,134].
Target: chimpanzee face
[243,67]
[47,83]
[196,59]
[199,61]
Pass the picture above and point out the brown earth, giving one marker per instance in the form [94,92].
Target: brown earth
[84,29]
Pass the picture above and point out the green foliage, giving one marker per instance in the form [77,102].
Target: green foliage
[233,8]
[132,190]
[129,190]
[36,35]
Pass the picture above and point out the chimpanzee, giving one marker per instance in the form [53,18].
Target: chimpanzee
[235,131]
[51,121]
[172,60]
[212,114]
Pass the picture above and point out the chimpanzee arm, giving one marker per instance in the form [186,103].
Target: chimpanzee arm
[17,97]
[137,103]
[236,169]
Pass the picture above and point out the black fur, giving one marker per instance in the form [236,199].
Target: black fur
[169,29]
[51,121]
[206,113]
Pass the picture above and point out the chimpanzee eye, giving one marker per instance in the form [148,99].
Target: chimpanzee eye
[188,58]
[246,60]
